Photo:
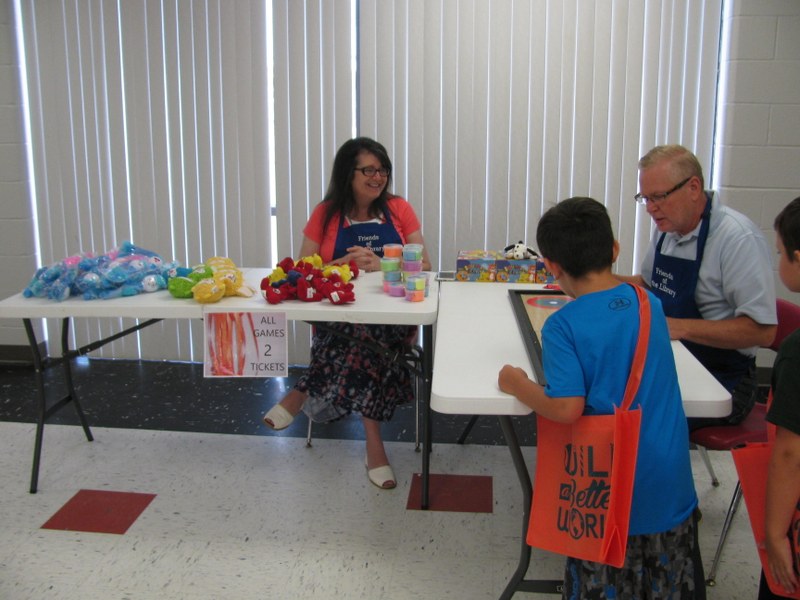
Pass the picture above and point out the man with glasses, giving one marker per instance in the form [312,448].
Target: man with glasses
[711,268]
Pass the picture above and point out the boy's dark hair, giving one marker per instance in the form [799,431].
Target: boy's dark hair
[576,233]
[787,225]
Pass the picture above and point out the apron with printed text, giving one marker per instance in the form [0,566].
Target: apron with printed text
[370,235]
[674,281]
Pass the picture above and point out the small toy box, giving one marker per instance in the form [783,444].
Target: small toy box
[477,265]
[527,270]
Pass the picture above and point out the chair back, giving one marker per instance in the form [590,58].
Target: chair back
[788,321]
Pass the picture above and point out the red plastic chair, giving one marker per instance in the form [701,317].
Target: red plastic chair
[752,429]
[788,322]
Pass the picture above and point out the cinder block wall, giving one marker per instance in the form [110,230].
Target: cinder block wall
[760,138]
[17,248]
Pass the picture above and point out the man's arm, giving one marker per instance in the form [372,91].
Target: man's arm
[734,333]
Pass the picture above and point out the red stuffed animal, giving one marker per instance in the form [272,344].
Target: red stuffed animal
[342,295]
[276,295]
[305,282]
[307,292]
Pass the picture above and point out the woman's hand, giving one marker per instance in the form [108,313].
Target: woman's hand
[365,259]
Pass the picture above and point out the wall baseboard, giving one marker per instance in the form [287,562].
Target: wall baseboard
[19,355]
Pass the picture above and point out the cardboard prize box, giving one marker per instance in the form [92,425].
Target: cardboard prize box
[526,270]
[477,265]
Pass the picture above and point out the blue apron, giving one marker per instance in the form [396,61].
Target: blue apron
[370,235]
[674,281]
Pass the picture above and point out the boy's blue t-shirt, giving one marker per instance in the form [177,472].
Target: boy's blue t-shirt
[587,348]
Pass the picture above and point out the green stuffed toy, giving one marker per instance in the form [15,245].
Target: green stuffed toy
[181,285]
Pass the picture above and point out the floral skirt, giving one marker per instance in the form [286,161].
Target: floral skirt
[350,375]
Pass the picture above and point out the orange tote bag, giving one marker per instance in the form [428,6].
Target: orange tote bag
[752,465]
[583,483]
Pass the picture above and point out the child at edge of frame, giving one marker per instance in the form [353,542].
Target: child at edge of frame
[587,350]
[783,475]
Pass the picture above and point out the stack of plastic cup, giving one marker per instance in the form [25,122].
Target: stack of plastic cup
[391,272]
[393,250]
[390,265]
[412,260]
[416,287]
[395,288]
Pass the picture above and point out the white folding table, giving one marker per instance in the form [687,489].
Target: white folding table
[371,306]
[476,334]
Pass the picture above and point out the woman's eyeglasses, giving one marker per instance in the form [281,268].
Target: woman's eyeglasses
[370,171]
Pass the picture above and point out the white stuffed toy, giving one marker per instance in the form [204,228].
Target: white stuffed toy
[519,251]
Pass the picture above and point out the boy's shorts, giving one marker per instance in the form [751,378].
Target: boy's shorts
[659,566]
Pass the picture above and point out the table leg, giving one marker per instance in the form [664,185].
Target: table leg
[463,437]
[66,355]
[39,370]
[518,583]
[40,365]
[427,435]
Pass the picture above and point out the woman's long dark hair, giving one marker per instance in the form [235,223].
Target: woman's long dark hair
[339,197]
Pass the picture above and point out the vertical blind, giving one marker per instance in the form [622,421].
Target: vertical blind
[495,111]
[152,120]
[314,113]
[148,124]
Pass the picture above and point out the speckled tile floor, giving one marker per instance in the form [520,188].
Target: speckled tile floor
[242,513]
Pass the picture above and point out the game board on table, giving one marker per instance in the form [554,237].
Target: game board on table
[531,309]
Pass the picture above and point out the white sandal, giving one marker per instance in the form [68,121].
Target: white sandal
[383,477]
[278,418]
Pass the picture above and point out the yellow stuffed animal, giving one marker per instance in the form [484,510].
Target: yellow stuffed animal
[278,274]
[343,271]
[207,291]
[229,277]
[233,280]
[315,260]
[222,279]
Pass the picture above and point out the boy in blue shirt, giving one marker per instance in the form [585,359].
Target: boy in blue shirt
[587,350]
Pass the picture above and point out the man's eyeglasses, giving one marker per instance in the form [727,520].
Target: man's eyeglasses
[643,200]
[370,171]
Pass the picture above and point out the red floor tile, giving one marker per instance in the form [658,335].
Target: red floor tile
[454,493]
[100,511]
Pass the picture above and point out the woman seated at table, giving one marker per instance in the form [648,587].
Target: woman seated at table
[357,217]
